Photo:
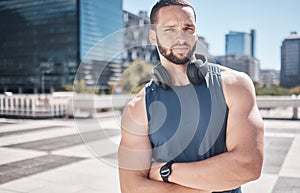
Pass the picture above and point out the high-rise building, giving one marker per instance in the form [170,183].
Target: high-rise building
[246,64]
[240,53]
[269,77]
[42,42]
[240,43]
[290,61]
[137,43]
[202,48]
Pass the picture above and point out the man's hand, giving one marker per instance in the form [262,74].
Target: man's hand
[154,173]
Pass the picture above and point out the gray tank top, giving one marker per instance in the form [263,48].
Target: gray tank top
[188,123]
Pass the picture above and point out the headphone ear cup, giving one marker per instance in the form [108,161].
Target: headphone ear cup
[161,77]
[192,73]
[197,71]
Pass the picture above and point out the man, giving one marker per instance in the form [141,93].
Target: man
[181,137]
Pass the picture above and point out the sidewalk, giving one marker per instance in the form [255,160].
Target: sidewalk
[48,156]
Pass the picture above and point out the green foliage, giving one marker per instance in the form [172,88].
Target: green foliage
[79,87]
[69,87]
[273,90]
[276,90]
[295,90]
[135,77]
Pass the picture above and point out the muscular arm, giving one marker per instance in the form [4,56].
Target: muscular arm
[135,154]
[243,161]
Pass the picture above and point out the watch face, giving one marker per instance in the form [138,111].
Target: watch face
[165,171]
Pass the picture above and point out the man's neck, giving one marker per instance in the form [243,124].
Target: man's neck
[176,72]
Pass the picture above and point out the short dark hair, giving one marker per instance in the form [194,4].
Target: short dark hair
[164,3]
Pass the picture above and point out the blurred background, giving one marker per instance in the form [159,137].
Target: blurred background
[62,47]
[42,43]
[85,59]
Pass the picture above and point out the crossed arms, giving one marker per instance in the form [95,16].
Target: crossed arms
[241,164]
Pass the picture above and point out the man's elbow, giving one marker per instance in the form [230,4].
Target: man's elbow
[129,187]
[130,181]
[256,170]
[253,168]
[126,188]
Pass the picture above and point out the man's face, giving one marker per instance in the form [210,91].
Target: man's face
[176,33]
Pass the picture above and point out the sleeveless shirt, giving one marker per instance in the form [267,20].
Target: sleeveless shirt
[188,123]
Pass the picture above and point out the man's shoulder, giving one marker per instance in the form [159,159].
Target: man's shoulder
[135,108]
[229,76]
[238,87]
[137,101]
[232,77]
[134,119]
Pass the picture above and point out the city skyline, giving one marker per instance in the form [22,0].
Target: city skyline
[273,22]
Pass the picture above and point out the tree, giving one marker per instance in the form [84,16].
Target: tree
[135,77]
[79,87]
[295,90]
[273,90]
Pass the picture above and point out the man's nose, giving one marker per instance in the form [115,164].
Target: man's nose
[181,35]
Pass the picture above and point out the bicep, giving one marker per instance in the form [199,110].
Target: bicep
[244,125]
[135,150]
[244,129]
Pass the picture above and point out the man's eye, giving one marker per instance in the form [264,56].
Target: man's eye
[189,29]
[169,29]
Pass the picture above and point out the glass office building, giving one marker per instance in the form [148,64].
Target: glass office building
[101,41]
[42,42]
[240,43]
[290,61]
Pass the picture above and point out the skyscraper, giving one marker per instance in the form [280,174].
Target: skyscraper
[240,53]
[137,43]
[240,43]
[42,42]
[290,61]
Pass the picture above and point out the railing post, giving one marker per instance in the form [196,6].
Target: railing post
[17,105]
[33,101]
[22,105]
[295,113]
[52,109]
[11,105]
[56,110]
[27,105]
[6,105]
[1,104]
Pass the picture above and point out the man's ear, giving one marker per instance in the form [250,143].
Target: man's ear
[152,37]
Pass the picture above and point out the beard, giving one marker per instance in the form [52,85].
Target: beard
[170,55]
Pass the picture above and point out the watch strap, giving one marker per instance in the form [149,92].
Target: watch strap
[166,170]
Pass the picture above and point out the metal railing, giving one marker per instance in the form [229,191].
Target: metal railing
[55,105]
[33,106]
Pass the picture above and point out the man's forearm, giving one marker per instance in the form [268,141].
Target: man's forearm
[222,172]
[138,184]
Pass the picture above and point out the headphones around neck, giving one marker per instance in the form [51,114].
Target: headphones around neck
[196,72]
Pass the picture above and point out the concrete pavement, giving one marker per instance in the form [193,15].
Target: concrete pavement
[49,156]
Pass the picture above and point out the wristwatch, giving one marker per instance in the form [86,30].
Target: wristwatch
[166,170]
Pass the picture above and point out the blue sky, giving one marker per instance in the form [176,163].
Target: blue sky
[272,20]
